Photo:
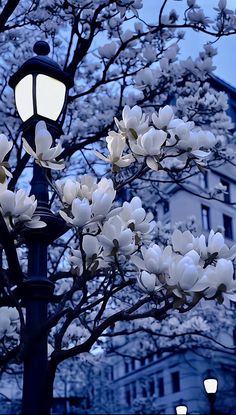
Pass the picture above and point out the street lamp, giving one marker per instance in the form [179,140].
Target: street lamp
[181,409]
[210,384]
[41,90]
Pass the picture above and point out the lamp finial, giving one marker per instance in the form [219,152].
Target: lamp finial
[41,48]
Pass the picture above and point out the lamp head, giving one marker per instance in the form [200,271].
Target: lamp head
[210,385]
[181,409]
[41,89]
[210,382]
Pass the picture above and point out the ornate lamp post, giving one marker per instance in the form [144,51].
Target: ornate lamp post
[210,384]
[41,89]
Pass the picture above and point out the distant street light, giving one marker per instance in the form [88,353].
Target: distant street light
[210,384]
[181,409]
[41,90]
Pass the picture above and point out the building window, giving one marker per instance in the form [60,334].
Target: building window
[227,191]
[161,391]
[205,218]
[132,364]
[144,392]
[203,180]
[234,336]
[150,358]
[127,395]
[142,361]
[151,387]
[166,206]
[126,367]
[175,382]
[111,373]
[227,221]
[134,391]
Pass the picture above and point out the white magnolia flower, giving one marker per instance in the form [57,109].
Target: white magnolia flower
[189,140]
[135,217]
[149,145]
[149,53]
[144,77]
[5,147]
[171,52]
[218,279]
[19,208]
[197,16]
[106,186]
[222,4]
[133,122]
[88,184]
[155,260]
[191,3]
[165,115]
[116,145]
[108,50]
[90,245]
[9,322]
[101,203]
[182,130]
[215,245]
[195,323]
[76,260]
[205,139]
[80,212]
[68,189]
[73,335]
[127,36]
[6,329]
[88,199]
[44,154]
[126,5]
[148,282]
[182,242]
[184,273]
[116,238]
[93,252]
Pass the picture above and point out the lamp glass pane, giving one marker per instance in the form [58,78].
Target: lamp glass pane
[210,385]
[181,410]
[50,96]
[24,97]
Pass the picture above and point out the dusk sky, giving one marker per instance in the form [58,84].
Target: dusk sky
[194,41]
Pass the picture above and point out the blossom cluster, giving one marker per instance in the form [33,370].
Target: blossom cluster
[189,266]
[157,142]
[44,154]
[18,208]
[5,147]
[106,230]
[10,323]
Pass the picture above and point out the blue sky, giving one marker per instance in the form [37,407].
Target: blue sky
[225,61]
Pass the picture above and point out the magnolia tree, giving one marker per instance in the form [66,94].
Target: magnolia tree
[108,267]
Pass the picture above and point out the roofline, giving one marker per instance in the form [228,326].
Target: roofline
[219,83]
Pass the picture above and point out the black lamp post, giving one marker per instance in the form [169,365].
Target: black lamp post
[41,89]
[210,384]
